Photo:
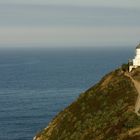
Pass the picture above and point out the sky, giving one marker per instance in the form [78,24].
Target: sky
[69,23]
[114,3]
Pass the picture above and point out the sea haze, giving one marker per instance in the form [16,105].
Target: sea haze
[36,85]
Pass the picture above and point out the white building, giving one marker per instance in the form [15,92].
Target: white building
[136,61]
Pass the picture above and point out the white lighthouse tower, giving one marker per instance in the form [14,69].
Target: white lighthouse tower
[136,61]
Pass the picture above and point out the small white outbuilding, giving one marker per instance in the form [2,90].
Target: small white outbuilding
[136,61]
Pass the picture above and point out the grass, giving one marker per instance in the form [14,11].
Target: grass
[103,112]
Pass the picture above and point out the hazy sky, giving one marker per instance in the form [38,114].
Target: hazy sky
[69,22]
[116,3]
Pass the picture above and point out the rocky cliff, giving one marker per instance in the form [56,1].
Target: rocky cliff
[103,112]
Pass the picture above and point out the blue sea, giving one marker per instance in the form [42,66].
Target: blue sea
[35,84]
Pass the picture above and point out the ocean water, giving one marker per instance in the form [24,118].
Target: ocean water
[36,84]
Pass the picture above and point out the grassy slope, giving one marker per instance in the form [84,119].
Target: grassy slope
[104,112]
[136,74]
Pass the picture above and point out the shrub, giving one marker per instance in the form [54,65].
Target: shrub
[125,67]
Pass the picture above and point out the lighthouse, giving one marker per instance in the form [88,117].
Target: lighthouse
[136,61]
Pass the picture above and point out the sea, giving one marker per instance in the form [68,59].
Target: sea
[36,84]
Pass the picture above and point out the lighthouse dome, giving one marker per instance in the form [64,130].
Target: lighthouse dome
[138,47]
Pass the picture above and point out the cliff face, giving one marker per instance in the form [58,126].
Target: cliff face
[104,112]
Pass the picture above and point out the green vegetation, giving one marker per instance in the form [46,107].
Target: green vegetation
[104,112]
[125,67]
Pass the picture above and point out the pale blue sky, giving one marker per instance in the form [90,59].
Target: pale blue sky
[69,23]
